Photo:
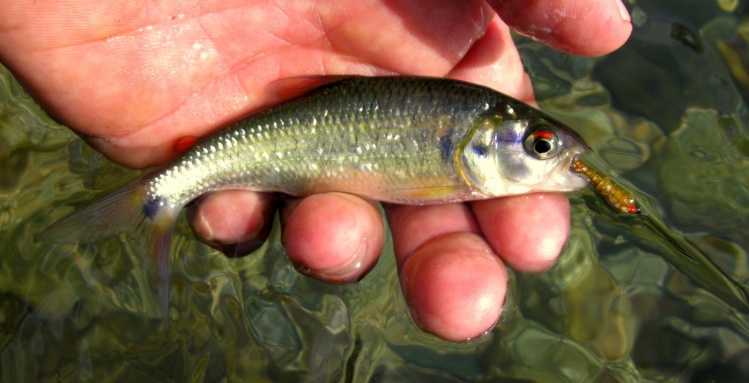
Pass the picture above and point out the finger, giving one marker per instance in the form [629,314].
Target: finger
[453,283]
[454,286]
[527,231]
[494,61]
[407,37]
[413,226]
[334,237]
[236,222]
[587,28]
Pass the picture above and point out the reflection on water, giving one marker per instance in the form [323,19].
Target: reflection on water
[667,113]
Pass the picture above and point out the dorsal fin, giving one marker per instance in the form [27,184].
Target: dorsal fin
[292,87]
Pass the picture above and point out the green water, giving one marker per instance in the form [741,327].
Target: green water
[667,114]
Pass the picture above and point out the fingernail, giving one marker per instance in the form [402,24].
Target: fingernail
[347,272]
[233,247]
[623,11]
[202,225]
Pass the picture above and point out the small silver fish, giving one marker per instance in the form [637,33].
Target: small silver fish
[404,140]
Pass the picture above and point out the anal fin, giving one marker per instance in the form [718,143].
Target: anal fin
[430,194]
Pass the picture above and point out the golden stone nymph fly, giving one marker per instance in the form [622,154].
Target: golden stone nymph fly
[615,195]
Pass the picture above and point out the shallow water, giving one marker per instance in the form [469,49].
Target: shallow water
[667,115]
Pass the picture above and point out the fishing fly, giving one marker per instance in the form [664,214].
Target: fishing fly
[679,251]
[615,195]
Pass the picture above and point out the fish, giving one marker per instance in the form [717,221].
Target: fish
[400,140]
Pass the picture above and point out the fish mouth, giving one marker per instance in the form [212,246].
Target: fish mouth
[563,178]
[575,180]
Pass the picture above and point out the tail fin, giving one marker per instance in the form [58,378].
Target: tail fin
[130,210]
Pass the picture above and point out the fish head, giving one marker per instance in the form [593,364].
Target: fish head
[505,154]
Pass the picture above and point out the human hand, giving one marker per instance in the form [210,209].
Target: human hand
[136,78]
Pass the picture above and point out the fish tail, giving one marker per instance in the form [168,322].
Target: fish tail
[159,266]
[145,217]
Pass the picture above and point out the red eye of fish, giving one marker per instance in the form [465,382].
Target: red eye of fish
[543,135]
[542,144]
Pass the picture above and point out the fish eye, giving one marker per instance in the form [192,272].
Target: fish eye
[542,144]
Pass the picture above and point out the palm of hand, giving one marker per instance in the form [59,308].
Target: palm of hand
[143,77]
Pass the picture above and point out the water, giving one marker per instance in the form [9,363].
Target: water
[667,115]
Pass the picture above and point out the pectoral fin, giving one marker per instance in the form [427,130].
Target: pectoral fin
[292,87]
